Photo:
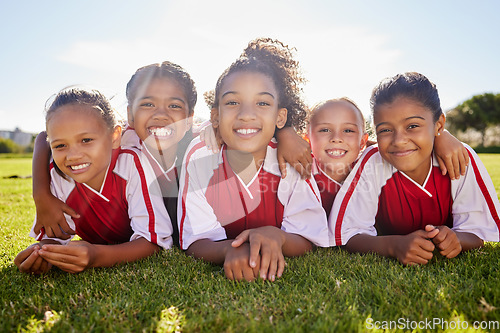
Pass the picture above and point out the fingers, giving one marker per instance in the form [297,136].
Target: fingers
[465,154]
[71,212]
[26,258]
[254,253]
[464,161]
[281,266]
[272,266]
[442,165]
[303,166]
[432,231]
[455,167]
[451,251]
[241,238]
[239,273]
[66,262]
[307,162]
[428,246]
[282,166]
[57,232]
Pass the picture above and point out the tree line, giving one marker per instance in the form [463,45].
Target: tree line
[479,113]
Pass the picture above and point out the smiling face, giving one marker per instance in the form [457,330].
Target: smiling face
[405,135]
[81,143]
[159,115]
[337,135]
[248,113]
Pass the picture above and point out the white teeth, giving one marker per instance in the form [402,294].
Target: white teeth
[246,130]
[336,152]
[80,166]
[161,131]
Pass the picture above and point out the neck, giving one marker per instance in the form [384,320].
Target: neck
[244,164]
[165,157]
[420,174]
[339,175]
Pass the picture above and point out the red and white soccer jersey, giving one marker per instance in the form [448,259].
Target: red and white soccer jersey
[377,199]
[215,204]
[123,210]
[327,187]
[168,180]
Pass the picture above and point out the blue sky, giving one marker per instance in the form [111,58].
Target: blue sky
[345,47]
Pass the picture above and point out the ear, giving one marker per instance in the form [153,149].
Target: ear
[439,126]
[116,136]
[282,116]
[214,117]
[130,116]
[362,143]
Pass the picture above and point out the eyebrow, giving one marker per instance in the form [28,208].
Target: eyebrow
[354,124]
[235,92]
[174,98]
[412,117]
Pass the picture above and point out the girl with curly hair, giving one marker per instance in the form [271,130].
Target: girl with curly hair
[234,207]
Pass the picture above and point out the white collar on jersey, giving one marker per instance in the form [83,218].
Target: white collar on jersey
[422,187]
[102,186]
[317,169]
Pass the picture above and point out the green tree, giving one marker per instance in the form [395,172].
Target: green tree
[8,146]
[478,112]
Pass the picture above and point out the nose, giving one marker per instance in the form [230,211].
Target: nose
[74,153]
[246,112]
[399,137]
[336,136]
[161,113]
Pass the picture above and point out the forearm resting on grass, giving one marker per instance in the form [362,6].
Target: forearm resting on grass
[49,209]
[29,261]
[234,259]
[214,252]
[411,249]
[271,245]
[451,243]
[77,256]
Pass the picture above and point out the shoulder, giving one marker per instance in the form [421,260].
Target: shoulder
[129,160]
[371,162]
[198,156]
[196,148]
[271,164]
[129,138]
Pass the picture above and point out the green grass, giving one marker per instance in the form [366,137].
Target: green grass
[327,290]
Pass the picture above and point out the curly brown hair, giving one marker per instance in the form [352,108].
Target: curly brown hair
[274,59]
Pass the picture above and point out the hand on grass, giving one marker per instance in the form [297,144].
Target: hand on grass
[446,241]
[294,150]
[415,248]
[49,215]
[72,258]
[29,261]
[236,264]
[451,155]
[266,243]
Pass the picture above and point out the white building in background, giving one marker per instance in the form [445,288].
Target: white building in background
[19,137]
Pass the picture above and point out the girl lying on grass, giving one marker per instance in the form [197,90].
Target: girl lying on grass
[234,207]
[119,220]
[396,202]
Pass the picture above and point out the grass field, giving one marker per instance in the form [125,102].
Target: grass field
[327,290]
